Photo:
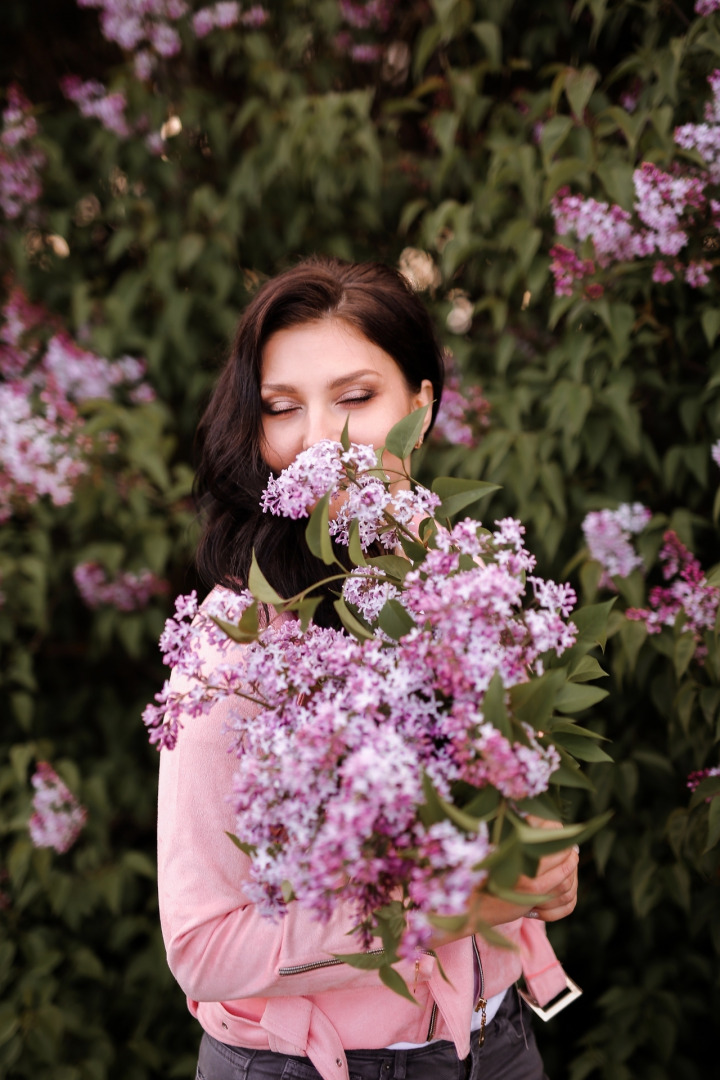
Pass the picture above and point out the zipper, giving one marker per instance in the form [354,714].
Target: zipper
[433,1019]
[481,1006]
[315,965]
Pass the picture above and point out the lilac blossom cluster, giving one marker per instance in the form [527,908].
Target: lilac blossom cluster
[227,13]
[363,17]
[696,778]
[126,591]
[356,485]
[93,100]
[706,7]
[57,819]
[149,29]
[21,159]
[147,26]
[463,414]
[345,731]
[668,208]
[607,535]
[687,593]
[43,448]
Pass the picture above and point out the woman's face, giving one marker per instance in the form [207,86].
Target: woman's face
[316,375]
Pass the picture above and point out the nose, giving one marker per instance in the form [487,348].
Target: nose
[320,424]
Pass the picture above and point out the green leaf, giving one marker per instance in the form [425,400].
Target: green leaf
[683,653]
[710,321]
[494,707]
[246,629]
[345,435]
[591,621]
[583,748]
[585,669]
[713,835]
[394,981]
[568,774]
[533,702]
[351,624]
[288,893]
[305,609]
[575,697]
[402,437]
[355,551]
[317,533]
[392,565]
[260,587]
[706,789]
[364,961]
[558,839]
[579,86]
[247,849]
[395,620]
[457,493]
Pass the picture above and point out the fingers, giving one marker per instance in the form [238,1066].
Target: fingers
[557,882]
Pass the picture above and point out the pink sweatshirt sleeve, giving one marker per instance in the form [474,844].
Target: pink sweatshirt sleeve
[219,948]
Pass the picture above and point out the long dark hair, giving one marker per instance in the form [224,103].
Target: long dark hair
[377,302]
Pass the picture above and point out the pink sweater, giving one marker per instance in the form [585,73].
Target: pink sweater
[264,985]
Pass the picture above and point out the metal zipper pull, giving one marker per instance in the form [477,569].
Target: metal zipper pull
[481,1005]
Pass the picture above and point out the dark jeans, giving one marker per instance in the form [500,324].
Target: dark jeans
[509,1053]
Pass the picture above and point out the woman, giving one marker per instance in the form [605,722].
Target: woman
[321,343]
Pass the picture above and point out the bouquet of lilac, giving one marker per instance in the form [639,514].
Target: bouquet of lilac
[394,762]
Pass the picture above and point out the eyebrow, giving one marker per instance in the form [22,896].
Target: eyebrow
[343,380]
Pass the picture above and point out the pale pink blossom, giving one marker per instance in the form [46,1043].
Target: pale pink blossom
[57,819]
[608,537]
[125,591]
[21,159]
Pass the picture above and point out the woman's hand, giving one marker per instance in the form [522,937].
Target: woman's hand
[555,884]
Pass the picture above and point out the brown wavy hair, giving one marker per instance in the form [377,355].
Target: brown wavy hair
[377,302]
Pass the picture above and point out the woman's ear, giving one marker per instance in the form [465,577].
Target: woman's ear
[425,396]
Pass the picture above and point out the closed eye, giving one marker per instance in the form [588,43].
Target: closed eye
[357,399]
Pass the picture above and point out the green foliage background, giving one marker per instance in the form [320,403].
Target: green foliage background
[287,148]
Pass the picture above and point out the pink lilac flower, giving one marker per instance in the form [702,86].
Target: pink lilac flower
[568,268]
[688,593]
[607,535]
[126,591]
[131,23]
[662,273]
[463,414]
[715,452]
[43,448]
[21,159]
[57,819]
[93,100]
[706,7]
[696,273]
[696,778]
[255,17]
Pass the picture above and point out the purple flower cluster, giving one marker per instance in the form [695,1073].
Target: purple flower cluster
[43,450]
[126,591]
[696,778]
[463,414]
[130,23]
[667,209]
[57,819]
[688,594]
[706,7]
[332,761]
[93,100]
[324,469]
[363,17]
[607,535]
[21,160]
